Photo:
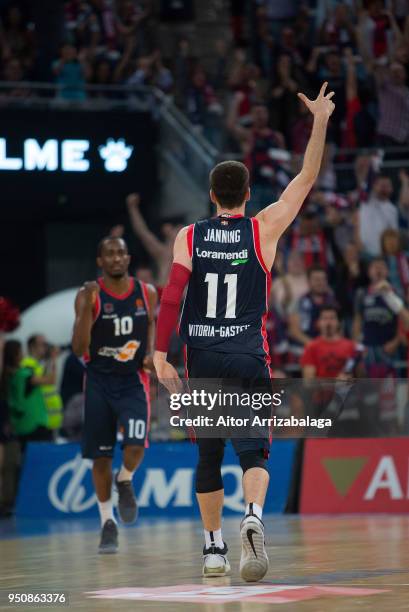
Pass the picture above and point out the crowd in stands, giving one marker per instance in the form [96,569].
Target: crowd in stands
[342,269]
[275,48]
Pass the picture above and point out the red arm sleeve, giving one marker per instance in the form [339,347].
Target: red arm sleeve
[170,305]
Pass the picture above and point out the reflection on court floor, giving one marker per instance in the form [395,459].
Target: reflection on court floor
[338,564]
[196,593]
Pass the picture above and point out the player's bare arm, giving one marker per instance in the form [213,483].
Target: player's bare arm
[152,244]
[180,250]
[275,219]
[84,303]
[166,373]
[153,301]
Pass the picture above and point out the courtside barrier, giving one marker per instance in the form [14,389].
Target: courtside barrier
[56,481]
[355,475]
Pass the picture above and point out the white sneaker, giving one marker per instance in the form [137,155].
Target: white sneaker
[254,560]
[215,562]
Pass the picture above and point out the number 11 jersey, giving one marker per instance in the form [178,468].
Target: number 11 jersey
[226,303]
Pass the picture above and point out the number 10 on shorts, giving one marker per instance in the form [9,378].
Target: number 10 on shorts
[136,429]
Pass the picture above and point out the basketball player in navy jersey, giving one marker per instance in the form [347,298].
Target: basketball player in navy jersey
[226,262]
[114,328]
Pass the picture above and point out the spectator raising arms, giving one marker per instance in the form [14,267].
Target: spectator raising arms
[161,252]
[257,143]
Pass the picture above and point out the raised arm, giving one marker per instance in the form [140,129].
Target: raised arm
[397,35]
[84,317]
[152,244]
[275,219]
[239,132]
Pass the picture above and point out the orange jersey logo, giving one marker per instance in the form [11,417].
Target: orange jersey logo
[127,352]
[122,353]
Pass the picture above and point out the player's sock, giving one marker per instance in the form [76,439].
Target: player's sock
[106,511]
[255,509]
[124,474]
[213,538]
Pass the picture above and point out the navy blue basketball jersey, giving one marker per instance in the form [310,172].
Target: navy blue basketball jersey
[227,297]
[120,330]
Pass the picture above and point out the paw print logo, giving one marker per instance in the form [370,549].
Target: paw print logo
[115,154]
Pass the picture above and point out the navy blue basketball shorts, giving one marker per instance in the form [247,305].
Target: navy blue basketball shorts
[115,403]
[226,367]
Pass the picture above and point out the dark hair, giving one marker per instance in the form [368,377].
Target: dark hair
[313,269]
[11,351]
[329,308]
[107,239]
[10,354]
[31,341]
[381,176]
[378,258]
[390,232]
[229,182]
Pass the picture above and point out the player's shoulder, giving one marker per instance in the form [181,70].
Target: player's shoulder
[183,232]
[150,291]
[84,286]
[267,216]
[184,240]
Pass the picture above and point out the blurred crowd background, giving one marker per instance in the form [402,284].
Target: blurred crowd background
[346,253]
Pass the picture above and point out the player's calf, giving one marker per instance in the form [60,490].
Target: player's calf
[254,560]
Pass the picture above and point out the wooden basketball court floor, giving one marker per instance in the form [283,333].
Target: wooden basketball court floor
[318,563]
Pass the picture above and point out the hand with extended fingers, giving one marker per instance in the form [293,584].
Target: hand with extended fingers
[322,105]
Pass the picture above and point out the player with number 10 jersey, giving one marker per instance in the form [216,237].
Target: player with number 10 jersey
[114,328]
